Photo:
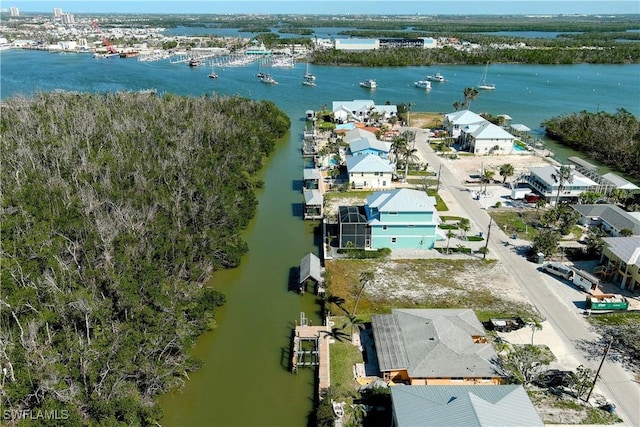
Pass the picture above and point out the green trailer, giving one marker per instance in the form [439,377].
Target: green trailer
[607,302]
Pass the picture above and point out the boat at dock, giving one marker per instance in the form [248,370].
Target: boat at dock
[194,62]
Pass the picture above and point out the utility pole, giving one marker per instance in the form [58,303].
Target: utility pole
[604,356]
[439,173]
[486,244]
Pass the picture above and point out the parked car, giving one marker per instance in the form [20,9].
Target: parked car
[531,197]
[559,270]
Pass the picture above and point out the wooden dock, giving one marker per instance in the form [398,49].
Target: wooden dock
[315,353]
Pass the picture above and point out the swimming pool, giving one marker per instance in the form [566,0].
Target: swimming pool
[517,147]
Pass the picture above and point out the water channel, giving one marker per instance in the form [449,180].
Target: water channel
[244,380]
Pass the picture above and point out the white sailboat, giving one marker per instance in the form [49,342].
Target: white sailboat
[483,83]
[309,78]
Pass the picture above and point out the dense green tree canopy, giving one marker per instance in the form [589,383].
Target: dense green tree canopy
[116,210]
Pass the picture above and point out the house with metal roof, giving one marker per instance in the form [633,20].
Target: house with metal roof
[458,120]
[609,218]
[402,219]
[486,138]
[620,262]
[544,180]
[362,142]
[463,406]
[361,110]
[434,347]
[370,171]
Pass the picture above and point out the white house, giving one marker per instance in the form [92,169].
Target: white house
[360,110]
[487,138]
[544,180]
[369,171]
[458,120]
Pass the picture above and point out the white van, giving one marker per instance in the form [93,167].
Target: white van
[558,269]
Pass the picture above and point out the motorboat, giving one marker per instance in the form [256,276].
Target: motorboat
[437,77]
[369,84]
[194,62]
[423,84]
[212,75]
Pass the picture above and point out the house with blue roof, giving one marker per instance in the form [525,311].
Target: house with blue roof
[463,406]
[396,219]
[369,171]
[362,142]
[402,219]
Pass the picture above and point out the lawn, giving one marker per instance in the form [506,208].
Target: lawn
[523,222]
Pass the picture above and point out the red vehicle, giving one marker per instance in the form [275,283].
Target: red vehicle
[531,197]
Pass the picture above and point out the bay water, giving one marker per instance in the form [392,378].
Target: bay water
[245,380]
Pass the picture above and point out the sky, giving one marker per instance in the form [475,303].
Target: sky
[375,7]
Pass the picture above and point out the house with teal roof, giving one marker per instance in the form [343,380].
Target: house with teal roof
[402,219]
[396,219]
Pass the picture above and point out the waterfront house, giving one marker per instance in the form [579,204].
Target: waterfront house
[458,120]
[620,262]
[397,219]
[544,180]
[361,111]
[434,347]
[463,406]
[402,219]
[609,218]
[486,138]
[369,171]
[362,142]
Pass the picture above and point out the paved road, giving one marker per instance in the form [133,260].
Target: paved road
[615,383]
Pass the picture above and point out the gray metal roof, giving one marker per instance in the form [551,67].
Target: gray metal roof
[401,200]
[625,248]
[463,406]
[581,162]
[619,182]
[313,198]
[310,268]
[431,343]
[612,214]
[311,173]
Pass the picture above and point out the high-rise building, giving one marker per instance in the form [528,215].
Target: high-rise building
[67,18]
[57,12]
[15,11]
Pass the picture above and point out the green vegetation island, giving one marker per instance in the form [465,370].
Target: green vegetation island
[116,210]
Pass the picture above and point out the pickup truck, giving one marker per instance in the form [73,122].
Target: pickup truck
[607,302]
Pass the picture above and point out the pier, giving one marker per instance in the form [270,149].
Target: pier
[310,347]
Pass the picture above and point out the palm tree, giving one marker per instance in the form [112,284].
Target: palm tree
[470,94]
[357,411]
[506,171]
[398,144]
[465,225]
[410,156]
[487,178]
[365,278]
[563,176]
[450,234]
[354,323]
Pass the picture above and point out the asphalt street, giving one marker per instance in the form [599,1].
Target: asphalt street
[614,382]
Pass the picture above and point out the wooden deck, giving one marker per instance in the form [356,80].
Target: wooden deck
[321,335]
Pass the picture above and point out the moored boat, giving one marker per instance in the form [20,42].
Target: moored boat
[266,78]
[194,62]
[369,84]
[423,84]
[437,77]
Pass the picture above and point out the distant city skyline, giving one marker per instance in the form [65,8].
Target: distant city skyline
[373,7]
